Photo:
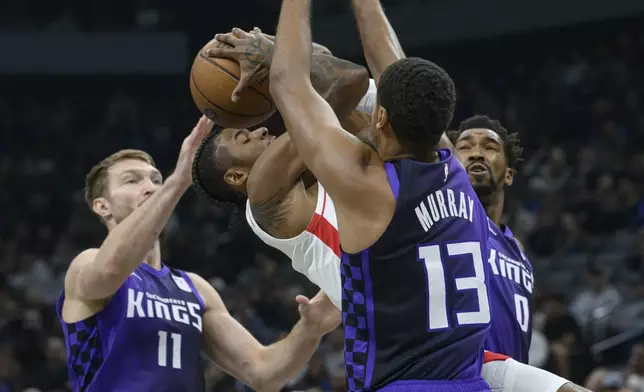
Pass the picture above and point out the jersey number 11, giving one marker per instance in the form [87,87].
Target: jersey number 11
[175,342]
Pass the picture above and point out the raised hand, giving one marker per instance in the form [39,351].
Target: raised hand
[252,50]
[189,149]
[319,313]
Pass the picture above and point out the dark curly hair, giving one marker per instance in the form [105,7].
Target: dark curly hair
[208,170]
[511,142]
[420,98]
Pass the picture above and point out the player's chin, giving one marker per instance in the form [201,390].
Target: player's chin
[482,188]
[479,178]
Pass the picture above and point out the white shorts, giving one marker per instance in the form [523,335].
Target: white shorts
[504,374]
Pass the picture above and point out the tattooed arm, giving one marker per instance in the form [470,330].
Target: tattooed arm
[341,83]
[278,169]
[316,47]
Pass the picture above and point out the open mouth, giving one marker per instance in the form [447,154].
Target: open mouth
[477,168]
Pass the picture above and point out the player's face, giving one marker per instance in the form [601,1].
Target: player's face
[244,148]
[482,152]
[130,183]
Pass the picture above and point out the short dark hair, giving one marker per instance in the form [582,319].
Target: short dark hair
[511,141]
[96,181]
[420,98]
[208,170]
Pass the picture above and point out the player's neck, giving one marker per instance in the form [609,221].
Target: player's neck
[429,156]
[493,204]
[153,258]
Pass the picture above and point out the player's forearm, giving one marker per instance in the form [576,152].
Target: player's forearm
[291,63]
[129,242]
[317,48]
[379,40]
[284,360]
[341,83]
[289,75]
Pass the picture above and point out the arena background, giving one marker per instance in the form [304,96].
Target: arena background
[81,80]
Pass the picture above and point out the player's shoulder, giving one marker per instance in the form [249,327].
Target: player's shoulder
[199,282]
[86,255]
[73,276]
[82,259]
[519,244]
[210,296]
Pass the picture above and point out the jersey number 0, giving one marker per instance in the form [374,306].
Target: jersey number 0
[430,256]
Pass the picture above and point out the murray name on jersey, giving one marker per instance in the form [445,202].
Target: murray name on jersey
[444,203]
[141,304]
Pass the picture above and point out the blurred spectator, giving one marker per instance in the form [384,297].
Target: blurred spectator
[563,333]
[597,300]
[626,378]
[632,310]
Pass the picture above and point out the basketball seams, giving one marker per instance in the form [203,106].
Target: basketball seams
[196,86]
[211,61]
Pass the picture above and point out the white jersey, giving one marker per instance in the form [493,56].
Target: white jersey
[315,252]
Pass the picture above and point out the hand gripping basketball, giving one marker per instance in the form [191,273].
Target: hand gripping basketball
[252,50]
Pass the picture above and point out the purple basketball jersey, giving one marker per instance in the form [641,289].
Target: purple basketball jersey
[415,304]
[510,285]
[147,338]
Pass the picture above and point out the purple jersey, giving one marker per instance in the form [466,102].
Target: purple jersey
[415,304]
[511,296]
[147,338]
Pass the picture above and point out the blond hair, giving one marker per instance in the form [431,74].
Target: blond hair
[96,181]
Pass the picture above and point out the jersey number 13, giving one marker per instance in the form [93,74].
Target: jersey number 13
[431,258]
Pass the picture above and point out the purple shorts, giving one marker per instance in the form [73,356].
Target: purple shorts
[475,385]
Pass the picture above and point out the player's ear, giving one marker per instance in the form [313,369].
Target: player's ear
[101,206]
[381,118]
[381,121]
[509,176]
[236,176]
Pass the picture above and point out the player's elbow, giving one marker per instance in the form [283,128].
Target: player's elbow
[260,372]
[357,85]
[262,381]
[359,78]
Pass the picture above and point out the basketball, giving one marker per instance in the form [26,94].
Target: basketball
[212,81]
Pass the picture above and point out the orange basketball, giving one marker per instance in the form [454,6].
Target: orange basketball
[212,81]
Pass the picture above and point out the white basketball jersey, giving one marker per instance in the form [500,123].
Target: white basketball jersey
[315,253]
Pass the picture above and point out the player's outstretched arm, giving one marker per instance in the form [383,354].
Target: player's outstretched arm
[511,375]
[263,368]
[379,40]
[341,83]
[347,168]
[97,274]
